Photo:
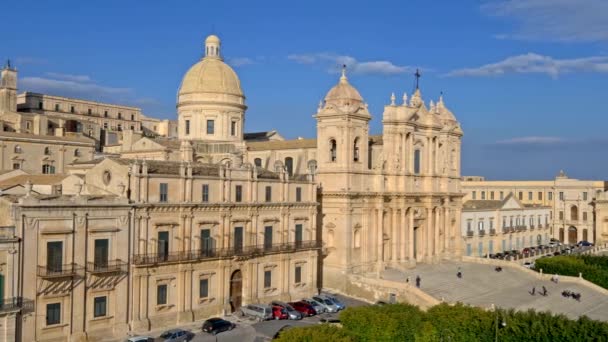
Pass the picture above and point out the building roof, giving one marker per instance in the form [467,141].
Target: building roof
[15,135]
[34,179]
[482,204]
[281,144]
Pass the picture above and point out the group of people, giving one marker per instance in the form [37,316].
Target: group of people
[543,293]
[574,295]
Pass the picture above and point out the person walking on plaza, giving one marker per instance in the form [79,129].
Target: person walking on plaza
[544,293]
[418,281]
[459,273]
[533,290]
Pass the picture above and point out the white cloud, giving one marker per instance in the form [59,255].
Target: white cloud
[334,62]
[537,64]
[240,61]
[68,77]
[553,20]
[532,140]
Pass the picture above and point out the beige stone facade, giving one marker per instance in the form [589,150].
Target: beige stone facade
[571,200]
[493,226]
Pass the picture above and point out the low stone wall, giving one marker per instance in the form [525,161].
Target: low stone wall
[371,290]
[539,275]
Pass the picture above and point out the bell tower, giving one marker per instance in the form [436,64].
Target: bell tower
[8,88]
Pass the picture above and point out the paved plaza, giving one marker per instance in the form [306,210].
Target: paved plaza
[482,286]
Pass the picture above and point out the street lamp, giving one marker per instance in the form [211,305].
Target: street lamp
[497,326]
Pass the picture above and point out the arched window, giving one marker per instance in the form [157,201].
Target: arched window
[76,153]
[332,150]
[357,238]
[369,155]
[417,161]
[18,149]
[356,150]
[257,162]
[47,151]
[48,169]
[574,213]
[289,166]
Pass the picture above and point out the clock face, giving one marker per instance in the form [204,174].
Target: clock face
[106,177]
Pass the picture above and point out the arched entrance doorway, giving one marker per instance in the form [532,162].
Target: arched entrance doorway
[585,235]
[236,290]
[561,235]
[572,235]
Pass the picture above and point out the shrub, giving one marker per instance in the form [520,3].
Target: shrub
[593,268]
[318,333]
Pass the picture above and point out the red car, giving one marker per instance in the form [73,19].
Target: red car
[305,308]
[279,312]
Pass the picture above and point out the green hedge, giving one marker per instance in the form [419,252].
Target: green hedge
[403,322]
[593,268]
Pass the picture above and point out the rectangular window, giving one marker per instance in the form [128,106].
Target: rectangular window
[585,196]
[205,193]
[561,215]
[298,194]
[550,196]
[529,195]
[233,128]
[210,127]
[56,107]
[203,288]
[72,109]
[40,106]
[298,275]
[417,162]
[105,113]
[238,238]
[99,306]
[540,195]
[238,193]
[53,313]
[89,111]
[491,195]
[268,194]
[101,253]
[162,245]
[584,216]
[268,237]
[206,242]
[105,125]
[161,294]
[483,195]
[521,196]
[164,191]
[502,195]
[187,127]
[119,115]
[267,279]
[561,196]
[16,166]
[299,234]
[474,195]
[54,256]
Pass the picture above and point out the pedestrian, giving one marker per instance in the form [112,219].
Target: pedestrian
[544,291]
[418,281]
[556,278]
[533,290]
[407,280]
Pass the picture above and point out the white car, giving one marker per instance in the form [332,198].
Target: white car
[328,304]
[529,265]
[140,339]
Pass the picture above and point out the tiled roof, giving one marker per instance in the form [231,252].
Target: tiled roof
[482,204]
[34,179]
[281,144]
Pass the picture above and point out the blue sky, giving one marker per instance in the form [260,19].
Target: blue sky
[526,78]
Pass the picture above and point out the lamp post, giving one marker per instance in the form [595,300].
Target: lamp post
[502,324]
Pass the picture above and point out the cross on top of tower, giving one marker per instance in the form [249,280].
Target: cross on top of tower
[417,75]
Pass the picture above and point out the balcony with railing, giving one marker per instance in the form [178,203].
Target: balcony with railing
[16,304]
[109,267]
[60,271]
[224,253]
[492,231]
[481,232]
[469,233]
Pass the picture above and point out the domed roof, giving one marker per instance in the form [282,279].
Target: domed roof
[211,74]
[343,92]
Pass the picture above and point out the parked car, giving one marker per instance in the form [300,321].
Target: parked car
[526,250]
[319,308]
[328,304]
[140,339]
[529,265]
[584,244]
[293,313]
[279,312]
[176,335]
[499,256]
[261,312]
[338,303]
[304,308]
[217,325]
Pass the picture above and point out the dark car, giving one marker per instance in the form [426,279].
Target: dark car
[584,244]
[305,308]
[216,325]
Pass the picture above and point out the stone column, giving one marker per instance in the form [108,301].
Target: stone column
[428,232]
[403,232]
[410,230]
[394,248]
[446,227]
[380,239]
[364,237]
[456,234]
[437,224]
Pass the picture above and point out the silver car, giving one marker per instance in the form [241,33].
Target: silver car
[329,305]
[319,308]
[176,335]
[261,312]
[291,312]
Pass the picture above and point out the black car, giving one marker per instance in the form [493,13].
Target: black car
[217,325]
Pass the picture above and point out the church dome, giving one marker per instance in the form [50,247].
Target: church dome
[211,74]
[343,92]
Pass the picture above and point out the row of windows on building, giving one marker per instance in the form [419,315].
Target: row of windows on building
[238,193]
[53,310]
[47,151]
[513,221]
[211,127]
[530,197]
[58,108]
[508,246]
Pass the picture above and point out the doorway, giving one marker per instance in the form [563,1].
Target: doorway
[561,235]
[236,290]
[572,235]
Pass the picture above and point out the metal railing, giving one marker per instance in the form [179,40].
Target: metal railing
[218,253]
[481,232]
[110,266]
[492,231]
[58,271]
[15,304]
[469,233]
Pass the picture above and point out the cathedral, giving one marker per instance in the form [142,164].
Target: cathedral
[158,231]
